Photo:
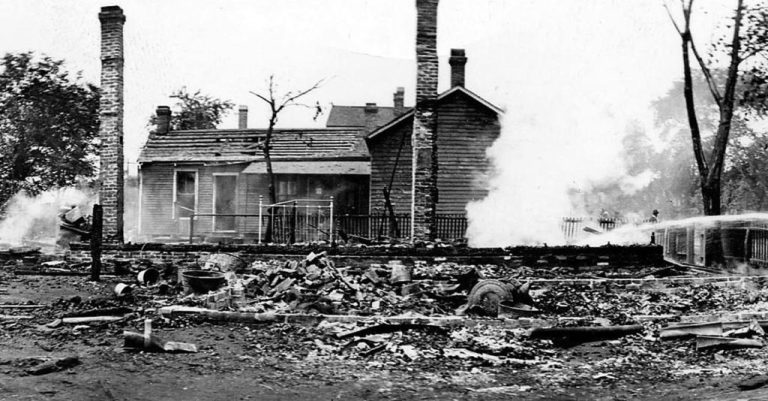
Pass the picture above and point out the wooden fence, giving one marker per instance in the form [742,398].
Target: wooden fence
[449,226]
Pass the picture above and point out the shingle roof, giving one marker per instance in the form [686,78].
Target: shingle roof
[236,145]
[409,113]
[356,116]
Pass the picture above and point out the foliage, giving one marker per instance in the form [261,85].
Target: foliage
[48,125]
[197,111]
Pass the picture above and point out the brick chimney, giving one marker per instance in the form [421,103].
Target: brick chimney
[163,120]
[457,62]
[371,114]
[242,117]
[399,100]
[111,122]
[424,137]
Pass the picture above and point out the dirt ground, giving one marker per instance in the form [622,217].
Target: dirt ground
[294,362]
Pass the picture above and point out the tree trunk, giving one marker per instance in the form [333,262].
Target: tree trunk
[710,196]
[271,178]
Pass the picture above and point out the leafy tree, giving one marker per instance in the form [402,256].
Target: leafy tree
[743,50]
[198,111]
[48,125]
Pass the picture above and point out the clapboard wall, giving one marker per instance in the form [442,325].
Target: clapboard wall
[466,129]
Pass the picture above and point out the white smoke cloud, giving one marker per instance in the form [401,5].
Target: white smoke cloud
[36,218]
[549,146]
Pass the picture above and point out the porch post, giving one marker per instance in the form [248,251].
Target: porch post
[261,202]
[330,229]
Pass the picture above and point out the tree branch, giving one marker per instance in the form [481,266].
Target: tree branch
[707,73]
[291,99]
[674,23]
[726,111]
[690,106]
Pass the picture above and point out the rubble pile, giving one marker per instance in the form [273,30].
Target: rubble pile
[430,316]
[621,305]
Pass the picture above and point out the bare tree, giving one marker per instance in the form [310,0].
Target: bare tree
[277,103]
[746,40]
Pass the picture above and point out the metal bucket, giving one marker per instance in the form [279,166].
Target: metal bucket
[148,277]
[122,289]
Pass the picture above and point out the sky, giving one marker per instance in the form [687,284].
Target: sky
[613,54]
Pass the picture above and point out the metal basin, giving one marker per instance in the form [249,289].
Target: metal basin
[202,281]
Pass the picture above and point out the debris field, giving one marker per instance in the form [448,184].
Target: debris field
[388,330]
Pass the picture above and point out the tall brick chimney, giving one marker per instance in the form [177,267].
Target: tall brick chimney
[163,120]
[457,62]
[399,100]
[111,122]
[242,117]
[424,137]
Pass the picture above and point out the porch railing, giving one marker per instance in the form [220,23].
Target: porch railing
[298,220]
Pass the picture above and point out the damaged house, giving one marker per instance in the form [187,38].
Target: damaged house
[219,175]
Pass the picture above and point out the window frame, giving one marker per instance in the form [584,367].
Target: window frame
[175,191]
[213,201]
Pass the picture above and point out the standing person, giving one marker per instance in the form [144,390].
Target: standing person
[654,216]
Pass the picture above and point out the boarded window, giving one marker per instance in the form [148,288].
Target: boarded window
[185,193]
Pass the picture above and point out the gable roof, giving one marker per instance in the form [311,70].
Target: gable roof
[356,116]
[244,145]
[456,89]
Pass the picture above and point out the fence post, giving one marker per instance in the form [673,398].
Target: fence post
[747,247]
[330,228]
[261,202]
[293,224]
[96,234]
[191,226]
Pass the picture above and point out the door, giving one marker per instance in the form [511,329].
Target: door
[224,189]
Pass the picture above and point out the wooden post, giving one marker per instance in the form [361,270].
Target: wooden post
[293,224]
[96,232]
[191,227]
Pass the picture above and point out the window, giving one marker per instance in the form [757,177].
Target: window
[185,196]
[287,186]
[224,205]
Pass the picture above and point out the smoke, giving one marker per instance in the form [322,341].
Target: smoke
[35,219]
[549,150]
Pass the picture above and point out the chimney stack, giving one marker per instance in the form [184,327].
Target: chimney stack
[371,108]
[163,120]
[457,62]
[242,117]
[424,137]
[111,122]
[399,100]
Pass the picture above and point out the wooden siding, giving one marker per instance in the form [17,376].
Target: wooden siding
[384,160]
[157,198]
[466,130]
